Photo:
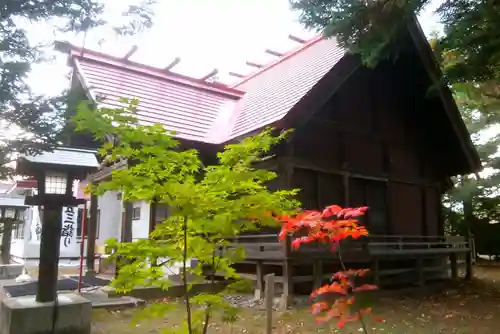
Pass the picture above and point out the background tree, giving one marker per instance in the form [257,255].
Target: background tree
[369,28]
[206,205]
[32,122]
[477,198]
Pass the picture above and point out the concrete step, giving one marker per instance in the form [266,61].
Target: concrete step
[101,300]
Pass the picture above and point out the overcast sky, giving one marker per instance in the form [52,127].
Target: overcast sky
[206,34]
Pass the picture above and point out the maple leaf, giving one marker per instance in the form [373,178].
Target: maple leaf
[330,211]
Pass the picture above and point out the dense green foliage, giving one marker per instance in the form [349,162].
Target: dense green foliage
[39,119]
[206,204]
[369,28]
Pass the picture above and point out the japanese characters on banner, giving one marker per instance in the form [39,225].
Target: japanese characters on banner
[69,221]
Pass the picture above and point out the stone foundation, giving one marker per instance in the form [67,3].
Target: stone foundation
[9,271]
[24,315]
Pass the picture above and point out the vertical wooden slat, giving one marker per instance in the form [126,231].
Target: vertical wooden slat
[420,270]
[453,265]
[468,259]
[287,268]
[91,236]
[259,270]
[389,170]
[269,298]
[152,216]
[376,271]
[439,209]
[423,206]
[345,186]
[317,273]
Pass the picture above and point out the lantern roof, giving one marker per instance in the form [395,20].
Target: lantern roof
[82,160]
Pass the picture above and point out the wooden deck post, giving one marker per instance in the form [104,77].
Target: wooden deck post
[468,263]
[287,297]
[317,273]
[420,270]
[260,280]
[269,299]
[453,265]
[376,271]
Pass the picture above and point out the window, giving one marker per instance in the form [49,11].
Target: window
[136,213]
[79,223]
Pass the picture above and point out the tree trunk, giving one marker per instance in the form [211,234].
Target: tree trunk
[6,242]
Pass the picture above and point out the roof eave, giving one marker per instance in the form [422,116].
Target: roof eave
[471,155]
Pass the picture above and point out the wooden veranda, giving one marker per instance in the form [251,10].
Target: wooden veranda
[387,256]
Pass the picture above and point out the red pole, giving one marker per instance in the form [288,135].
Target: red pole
[82,246]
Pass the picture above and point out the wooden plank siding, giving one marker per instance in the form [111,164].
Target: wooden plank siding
[363,148]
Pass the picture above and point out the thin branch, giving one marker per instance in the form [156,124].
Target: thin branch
[342,264]
[208,309]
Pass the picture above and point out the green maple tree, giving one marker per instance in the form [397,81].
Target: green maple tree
[206,205]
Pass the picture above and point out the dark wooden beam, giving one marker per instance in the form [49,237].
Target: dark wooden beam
[274,53]
[210,74]
[250,63]
[238,75]
[305,164]
[174,62]
[131,52]
[297,39]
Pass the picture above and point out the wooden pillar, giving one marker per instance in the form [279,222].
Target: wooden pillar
[287,268]
[91,236]
[152,215]
[468,260]
[127,222]
[269,298]
[317,273]
[126,229]
[453,265]
[345,186]
[423,209]
[420,270]
[376,271]
[439,206]
[49,254]
[7,226]
[259,286]
[388,168]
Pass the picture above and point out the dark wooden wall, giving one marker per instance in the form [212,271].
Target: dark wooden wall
[368,146]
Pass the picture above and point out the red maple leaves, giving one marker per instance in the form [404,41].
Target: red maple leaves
[330,226]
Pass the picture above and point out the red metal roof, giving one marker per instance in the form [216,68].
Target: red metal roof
[203,111]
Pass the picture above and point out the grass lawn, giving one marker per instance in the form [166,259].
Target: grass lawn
[460,307]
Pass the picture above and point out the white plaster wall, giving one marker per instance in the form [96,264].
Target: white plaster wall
[110,220]
[109,227]
[140,227]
